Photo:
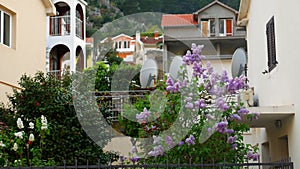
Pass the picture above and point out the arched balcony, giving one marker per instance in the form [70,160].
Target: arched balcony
[60,24]
[59,60]
[79,22]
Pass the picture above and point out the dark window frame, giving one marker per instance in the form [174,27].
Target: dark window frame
[5,28]
[271,44]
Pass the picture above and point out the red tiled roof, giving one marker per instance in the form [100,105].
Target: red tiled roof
[178,20]
[89,40]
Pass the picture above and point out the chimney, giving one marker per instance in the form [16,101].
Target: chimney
[156,34]
[138,36]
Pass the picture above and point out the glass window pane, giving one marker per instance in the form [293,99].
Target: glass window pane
[6,26]
[222,26]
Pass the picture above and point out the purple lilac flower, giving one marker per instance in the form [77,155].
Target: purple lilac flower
[231,139]
[236,84]
[220,103]
[210,69]
[229,131]
[243,111]
[221,127]
[180,143]
[189,105]
[193,56]
[252,156]
[198,70]
[190,140]
[142,117]
[135,159]
[200,103]
[123,158]
[173,87]
[158,150]
[170,81]
[224,77]
[235,117]
[234,146]
[169,141]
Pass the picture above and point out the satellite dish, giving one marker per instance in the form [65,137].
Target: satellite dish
[239,63]
[148,73]
[175,67]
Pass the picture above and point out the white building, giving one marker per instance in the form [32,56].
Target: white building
[66,36]
[273,57]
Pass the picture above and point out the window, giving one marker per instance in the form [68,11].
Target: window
[128,44]
[207,27]
[270,31]
[226,27]
[120,44]
[5,28]
[116,45]
[125,44]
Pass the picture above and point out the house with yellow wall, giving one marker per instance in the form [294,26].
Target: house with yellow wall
[22,40]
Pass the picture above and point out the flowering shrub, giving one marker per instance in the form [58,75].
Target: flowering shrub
[20,142]
[45,99]
[202,120]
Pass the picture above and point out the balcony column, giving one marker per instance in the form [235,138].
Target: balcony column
[217,27]
[218,49]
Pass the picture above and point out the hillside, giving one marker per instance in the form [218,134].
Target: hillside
[100,12]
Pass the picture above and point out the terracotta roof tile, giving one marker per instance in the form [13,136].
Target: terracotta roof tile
[89,40]
[178,20]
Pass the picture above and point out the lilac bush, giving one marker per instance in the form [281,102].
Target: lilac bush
[202,121]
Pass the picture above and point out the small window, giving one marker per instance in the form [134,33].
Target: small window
[5,28]
[225,27]
[207,27]
[270,31]
[128,44]
[125,44]
[120,44]
[116,45]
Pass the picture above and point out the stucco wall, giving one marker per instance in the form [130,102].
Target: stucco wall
[280,86]
[28,51]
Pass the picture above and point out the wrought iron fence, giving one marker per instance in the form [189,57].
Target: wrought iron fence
[111,103]
[283,164]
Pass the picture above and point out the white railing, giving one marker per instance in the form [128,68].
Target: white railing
[60,25]
[79,28]
[58,73]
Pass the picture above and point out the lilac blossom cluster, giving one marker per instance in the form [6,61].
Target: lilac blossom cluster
[252,156]
[143,116]
[194,55]
[219,88]
[158,148]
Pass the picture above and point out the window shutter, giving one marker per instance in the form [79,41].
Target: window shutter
[270,31]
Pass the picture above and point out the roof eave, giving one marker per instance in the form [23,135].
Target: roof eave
[50,8]
[216,2]
[243,13]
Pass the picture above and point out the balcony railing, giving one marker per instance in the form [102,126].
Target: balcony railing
[79,28]
[58,73]
[60,25]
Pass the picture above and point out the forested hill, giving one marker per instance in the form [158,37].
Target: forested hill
[167,6]
[100,12]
